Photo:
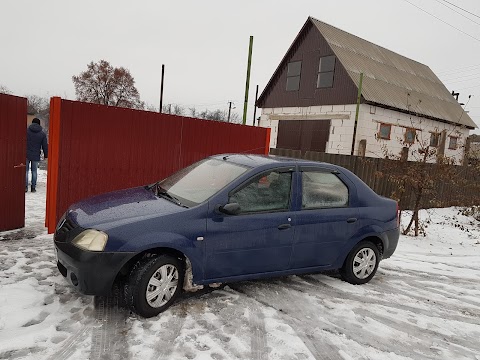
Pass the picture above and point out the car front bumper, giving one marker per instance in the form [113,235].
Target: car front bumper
[91,273]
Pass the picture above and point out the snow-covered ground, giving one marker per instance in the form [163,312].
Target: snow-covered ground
[424,303]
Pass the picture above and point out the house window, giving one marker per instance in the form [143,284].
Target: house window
[410,136]
[434,139]
[293,75]
[326,68]
[452,144]
[385,130]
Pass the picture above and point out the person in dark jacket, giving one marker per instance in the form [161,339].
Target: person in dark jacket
[36,140]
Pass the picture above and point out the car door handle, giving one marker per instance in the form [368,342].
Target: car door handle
[351,220]
[284,226]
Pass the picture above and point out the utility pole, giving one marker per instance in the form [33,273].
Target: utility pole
[359,98]
[255,106]
[249,65]
[161,88]
[229,110]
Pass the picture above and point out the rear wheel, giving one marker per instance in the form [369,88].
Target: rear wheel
[154,284]
[361,263]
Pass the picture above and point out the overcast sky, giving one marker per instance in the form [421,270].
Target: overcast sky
[204,44]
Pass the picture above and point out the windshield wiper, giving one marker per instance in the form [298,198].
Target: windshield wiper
[164,193]
[151,186]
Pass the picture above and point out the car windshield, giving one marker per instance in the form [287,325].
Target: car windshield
[198,182]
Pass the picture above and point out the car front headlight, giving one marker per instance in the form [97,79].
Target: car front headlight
[91,240]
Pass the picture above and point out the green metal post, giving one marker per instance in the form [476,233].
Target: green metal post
[359,97]
[248,80]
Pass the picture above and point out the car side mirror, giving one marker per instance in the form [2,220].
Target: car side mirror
[229,209]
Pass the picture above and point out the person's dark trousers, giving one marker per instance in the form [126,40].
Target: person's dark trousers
[34,166]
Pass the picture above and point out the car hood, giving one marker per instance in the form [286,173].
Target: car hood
[119,206]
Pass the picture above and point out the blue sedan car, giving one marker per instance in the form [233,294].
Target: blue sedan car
[225,218]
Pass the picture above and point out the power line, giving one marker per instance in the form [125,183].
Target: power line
[453,81]
[462,69]
[436,17]
[203,104]
[458,7]
[458,12]
[470,87]
[456,77]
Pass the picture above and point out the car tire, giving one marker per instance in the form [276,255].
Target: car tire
[154,284]
[361,263]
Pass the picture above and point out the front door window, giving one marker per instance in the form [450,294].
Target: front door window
[268,192]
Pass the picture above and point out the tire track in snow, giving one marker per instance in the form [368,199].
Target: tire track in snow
[448,267]
[422,335]
[163,349]
[259,340]
[412,346]
[228,319]
[402,272]
[290,307]
[449,295]
[390,289]
[109,335]
[69,345]
[317,341]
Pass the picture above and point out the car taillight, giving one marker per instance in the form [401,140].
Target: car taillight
[398,215]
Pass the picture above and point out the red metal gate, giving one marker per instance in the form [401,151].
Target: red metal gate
[95,149]
[13,117]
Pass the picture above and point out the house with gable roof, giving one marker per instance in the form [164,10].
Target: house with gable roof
[310,102]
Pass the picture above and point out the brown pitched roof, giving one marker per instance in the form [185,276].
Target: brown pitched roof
[393,80]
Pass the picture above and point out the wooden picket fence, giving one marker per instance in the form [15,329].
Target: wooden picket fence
[375,173]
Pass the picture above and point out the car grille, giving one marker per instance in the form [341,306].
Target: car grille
[67,226]
[62,269]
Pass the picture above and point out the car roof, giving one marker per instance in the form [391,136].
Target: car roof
[253,160]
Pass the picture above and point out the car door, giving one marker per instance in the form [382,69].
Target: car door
[326,219]
[259,238]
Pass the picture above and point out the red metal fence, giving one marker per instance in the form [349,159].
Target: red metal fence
[13,117]
[96,148]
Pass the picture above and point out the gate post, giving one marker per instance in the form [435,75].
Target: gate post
[53,163]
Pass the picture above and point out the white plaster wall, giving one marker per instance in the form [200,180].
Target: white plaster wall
[369,125]
[369,119]
[341,130]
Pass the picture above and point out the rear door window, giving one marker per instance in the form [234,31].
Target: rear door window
[323,189]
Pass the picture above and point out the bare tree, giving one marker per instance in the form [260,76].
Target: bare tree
[150,107]
[103,84]
[219,115]
[4,90]
[173,109]
[38,105]
[215,115]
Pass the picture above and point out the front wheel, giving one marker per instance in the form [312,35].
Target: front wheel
[154,284]
[361,263]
